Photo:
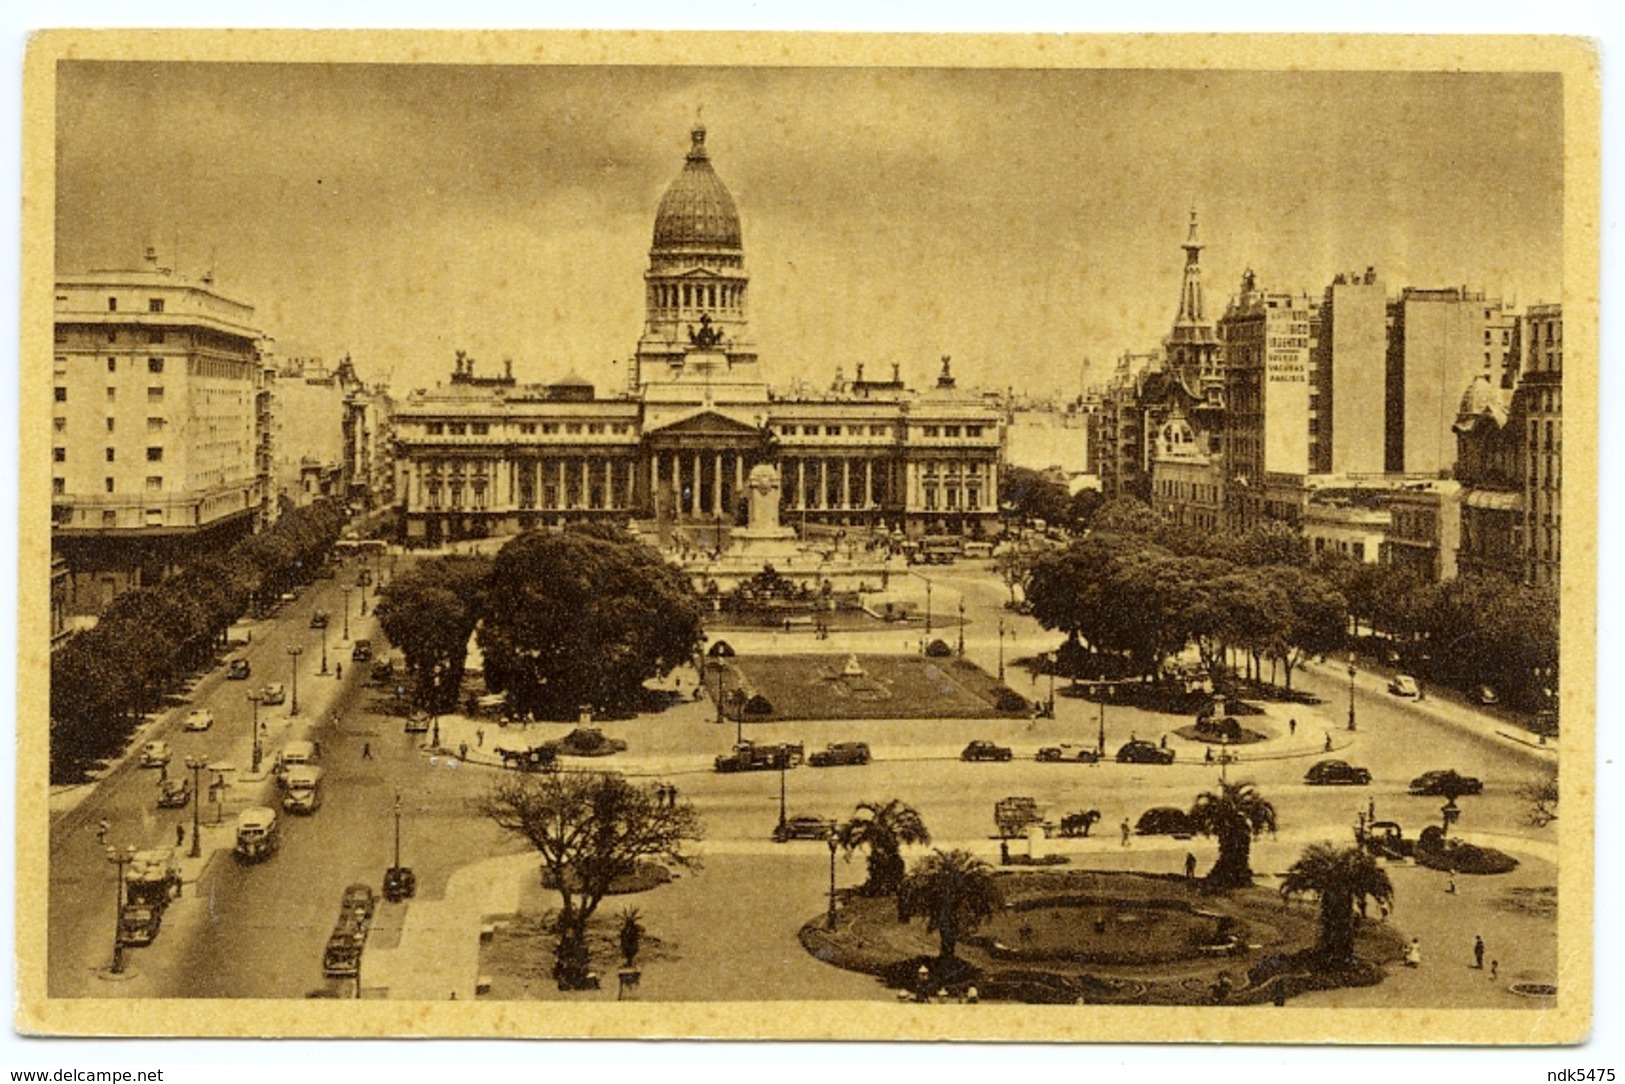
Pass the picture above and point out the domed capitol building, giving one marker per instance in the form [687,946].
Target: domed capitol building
[486,455]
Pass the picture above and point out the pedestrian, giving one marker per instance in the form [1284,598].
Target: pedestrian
[671,794]
[1413,954]
[366,750]
[1292,726]
[1210,754]
[1450,887]
[1328,741]
[462,751]
[1004,852]
[1371,810]
[479,737]
[180,834]
[1190,866]
[101,831]
[1478,953]
[1126,830]
[1495,968]
[1165,741]
[338,671]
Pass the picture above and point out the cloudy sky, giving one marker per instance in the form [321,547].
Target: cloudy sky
[1026,222]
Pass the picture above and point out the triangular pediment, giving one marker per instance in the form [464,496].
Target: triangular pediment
[707,423]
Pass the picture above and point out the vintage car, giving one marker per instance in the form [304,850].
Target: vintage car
[1405,685]
[1446,781]
[199,719]
[1331,773]
[318,619]
[1068,754]
[802,826]
[238,670]
[839,753]
[274,693]
[155,754]
[174,793]
[1138,751]
[1164,820]
[985,750]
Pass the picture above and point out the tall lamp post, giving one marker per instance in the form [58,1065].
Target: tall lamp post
[1351,692]
[1054,660]
[363,598]
[197,764]
[346,592]
[927,607]
[784,767]
[834,842]
[1101,748]
[961,626]
[254,699]
[120,857]
[1001,651]
[324,649]
[294,651]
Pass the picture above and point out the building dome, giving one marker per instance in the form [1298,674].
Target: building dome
[697,209]
[1481,399]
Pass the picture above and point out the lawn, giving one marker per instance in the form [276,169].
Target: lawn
[798,687]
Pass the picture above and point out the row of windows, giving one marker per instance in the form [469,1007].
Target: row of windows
[154,304]
[480,429]
[703,294]
[155,484]
[154,455]
[154,394]
[950,499]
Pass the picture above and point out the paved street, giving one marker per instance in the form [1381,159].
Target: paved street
[259,931]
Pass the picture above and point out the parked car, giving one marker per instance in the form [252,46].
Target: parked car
[199,719]
[417,722]
[1138,751]
[274,693]
[318,619]
[155,754]
[802,826]
[1446,781]
[362,651]
[1486,694]
[174,793]
[1164,820]
[1071,754]
[238,670]
[839,753]
[1331,773]
[383,668]
[985,750]
[1405,685]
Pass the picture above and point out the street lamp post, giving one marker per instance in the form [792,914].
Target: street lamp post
[324,649]
[927,608]
[1351,692]
[1101,748]
[961,626]
[397,863]
[254,699]
[784,767]
[346,592]
[834,842]
[1054,658]
[363,598]
[197,764]
[294,651]
[1001,651]
[120,857]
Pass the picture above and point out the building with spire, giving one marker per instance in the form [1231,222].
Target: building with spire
[482,455]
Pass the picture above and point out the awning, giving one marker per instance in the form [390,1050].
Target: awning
[1495,500]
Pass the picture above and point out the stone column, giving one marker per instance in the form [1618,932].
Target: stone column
[739,477]
[694,503]
[868,483]
[564,492]
[716,489]
[801,482]
[654,480]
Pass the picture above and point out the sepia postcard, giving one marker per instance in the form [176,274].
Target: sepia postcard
[634,535]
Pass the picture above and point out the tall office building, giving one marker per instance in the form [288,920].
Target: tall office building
[1347,381]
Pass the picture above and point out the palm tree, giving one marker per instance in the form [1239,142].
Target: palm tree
[1236,815]
[884,828]
[954,890]
[1343,877]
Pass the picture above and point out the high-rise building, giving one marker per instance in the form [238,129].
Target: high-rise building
[1435,346]
[155,429]
[1540,395]
[1269,340]
[1346,390]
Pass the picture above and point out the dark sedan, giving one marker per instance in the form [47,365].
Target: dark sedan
[985,750]
[1334,773]
[1446,782]
[1144,752]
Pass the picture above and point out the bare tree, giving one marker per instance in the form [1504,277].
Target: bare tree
[1541,794]
[591,830]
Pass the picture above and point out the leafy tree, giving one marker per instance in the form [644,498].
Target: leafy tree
[1342,877]
[1014,568]
[591,829]
[1034,495]
[429,612]
[1126,516]
[1235,816]
[573,619]
[1312,620]
[883,828]
[955,891]
[1085,503]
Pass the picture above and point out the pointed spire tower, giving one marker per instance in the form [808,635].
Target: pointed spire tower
[1192,346]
